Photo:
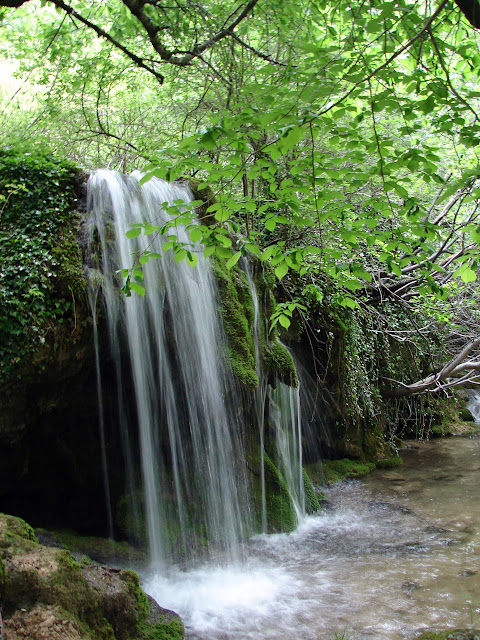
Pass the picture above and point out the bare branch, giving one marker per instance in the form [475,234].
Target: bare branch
[435,381]
[103,34]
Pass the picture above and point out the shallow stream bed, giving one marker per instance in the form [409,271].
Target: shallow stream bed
[393,554]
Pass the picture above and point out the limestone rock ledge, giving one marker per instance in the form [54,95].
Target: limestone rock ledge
[47,595]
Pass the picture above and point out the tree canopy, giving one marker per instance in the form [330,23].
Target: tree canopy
[340,140]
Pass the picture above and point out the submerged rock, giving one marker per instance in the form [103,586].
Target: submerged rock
[47,595]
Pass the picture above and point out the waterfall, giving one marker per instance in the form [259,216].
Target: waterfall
[93,298]
[473,404]
[285,415]
[260,391]
[285,421]
[172,371]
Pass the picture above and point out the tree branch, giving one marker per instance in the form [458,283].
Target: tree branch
[433,382]
[103,34]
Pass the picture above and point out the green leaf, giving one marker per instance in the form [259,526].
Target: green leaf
[137,288]
[208,251]
[223,252]
[267,253]
[475,235]
[284,321]
[253,248]
[133,233]
[233,260]
[350,303]
[180,255]
[281,270]
[196,235]
[191,259]
[222,216]
[468,275]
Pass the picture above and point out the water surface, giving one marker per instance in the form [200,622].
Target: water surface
[393,554]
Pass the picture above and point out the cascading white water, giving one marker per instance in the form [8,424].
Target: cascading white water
[93,298]
[180,386]
[394,555]
[286,418]
[473,404]
[260,391]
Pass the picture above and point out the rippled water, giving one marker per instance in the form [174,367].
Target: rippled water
[393,554]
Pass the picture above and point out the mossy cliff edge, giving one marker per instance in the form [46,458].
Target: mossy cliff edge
[47,595]
[237,311]
[47,370]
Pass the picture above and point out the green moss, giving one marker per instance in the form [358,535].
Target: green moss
[312,505]
[107,604]
[449,418]
[331,471]
[279,362]
[20,528]
[103,550]
[389,463]
[280,509]
[68,588]
[164,630]
[267,280]
[132,581]
[242,369]
[69,261]
[40,261]
[207,196]
[238,315]
[148,629]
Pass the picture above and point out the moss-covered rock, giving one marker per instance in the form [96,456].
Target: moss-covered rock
[281,516]
[389,463]
[278,361]
[331,471]
[238,316]
[45,591]
[41,263]
[103,550]
[155,623]
[451,417]
[312,503]
[207,197]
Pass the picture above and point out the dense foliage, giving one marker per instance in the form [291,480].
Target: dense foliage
[40,268]
[340,140]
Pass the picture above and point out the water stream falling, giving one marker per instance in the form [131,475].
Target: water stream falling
[260,391]
[93,299]
[393,554]
[190,440]
[473,404]
[285,421]
[285,415]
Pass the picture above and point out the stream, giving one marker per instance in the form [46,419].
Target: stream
[392,554]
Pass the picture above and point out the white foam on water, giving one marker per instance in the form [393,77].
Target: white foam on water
[374,565]
[231,600]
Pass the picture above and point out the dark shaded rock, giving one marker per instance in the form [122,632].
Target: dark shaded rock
[48,539]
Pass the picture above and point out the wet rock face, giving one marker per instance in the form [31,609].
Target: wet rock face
[47,595]
[50,460]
